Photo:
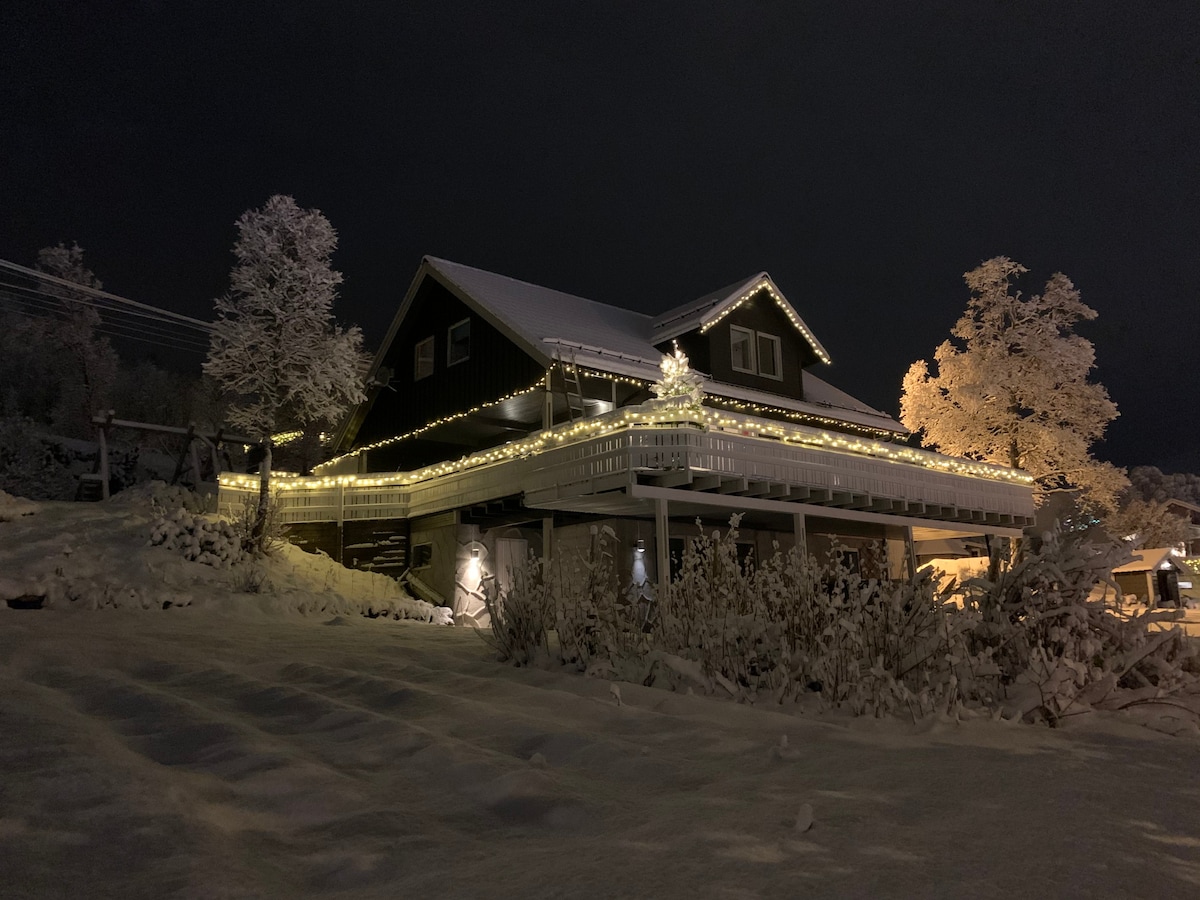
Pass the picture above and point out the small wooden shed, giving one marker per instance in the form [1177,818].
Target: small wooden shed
[1152,576]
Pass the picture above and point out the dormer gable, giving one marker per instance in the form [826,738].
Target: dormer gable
[705,313]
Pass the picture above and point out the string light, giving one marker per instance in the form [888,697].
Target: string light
[765,284]
[637,418]
[453,417]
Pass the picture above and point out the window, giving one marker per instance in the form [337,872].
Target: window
[458,342]
[770,356]
[423,359]
[422,555]
[741,349]
[755,353]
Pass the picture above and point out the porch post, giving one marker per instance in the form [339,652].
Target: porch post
[341,522]
[547,539]
[103,453]
[662,546]
[801,534]
[548,406]
[911,549]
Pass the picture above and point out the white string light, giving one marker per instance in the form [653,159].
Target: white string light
[764,284]
[634,418]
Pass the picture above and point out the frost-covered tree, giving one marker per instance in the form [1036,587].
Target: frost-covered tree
[89,359]
[1013,388]
[276,350]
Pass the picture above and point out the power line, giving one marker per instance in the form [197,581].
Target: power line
[59,300]
[99,294]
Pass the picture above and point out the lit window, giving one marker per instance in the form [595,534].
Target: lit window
[423,359]
[741,349]
[458,342]
[770,356]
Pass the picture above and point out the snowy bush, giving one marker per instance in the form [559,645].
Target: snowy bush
[1056,650]
[1026,640]
[31,466]
[213,542]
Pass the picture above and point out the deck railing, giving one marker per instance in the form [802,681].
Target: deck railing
[629,452]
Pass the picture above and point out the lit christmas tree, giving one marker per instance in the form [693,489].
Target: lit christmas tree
[680,385]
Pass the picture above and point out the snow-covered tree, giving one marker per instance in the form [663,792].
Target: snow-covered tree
[89,359]
[1148,523]
[276,350]
[1013,388]
[679,383]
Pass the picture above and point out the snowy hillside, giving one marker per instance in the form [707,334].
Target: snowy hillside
[281,745]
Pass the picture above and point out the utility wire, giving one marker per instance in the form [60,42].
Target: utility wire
[99,294]
[57,299]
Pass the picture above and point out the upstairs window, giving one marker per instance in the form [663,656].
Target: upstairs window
[458,342]
[423,359]
[755,352]
[741,349]
[770,356]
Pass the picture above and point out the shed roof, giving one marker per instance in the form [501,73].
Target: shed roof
[1148,560]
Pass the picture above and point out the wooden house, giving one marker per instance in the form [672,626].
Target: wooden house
[504,418]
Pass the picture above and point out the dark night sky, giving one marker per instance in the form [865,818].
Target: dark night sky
[642,154]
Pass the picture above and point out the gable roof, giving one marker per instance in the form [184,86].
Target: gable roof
[551,325]
[1149,560]
[702,314]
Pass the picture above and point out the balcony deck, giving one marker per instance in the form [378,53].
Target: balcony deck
[620,463]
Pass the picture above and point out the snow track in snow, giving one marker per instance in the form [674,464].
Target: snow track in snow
[187,754]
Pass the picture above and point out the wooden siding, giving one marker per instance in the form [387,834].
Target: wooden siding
[710,352]
[496,366]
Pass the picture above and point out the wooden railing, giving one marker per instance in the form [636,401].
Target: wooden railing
[687,453]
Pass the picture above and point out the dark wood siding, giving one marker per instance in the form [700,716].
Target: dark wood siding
[759,314]
[494,368]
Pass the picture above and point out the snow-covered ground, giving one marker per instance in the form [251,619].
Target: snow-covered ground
[236,747]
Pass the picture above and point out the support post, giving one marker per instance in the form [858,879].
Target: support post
[548,406]
[662,547]
[801,535]
[547,540]
[108,417]
[341,522]
[195,456]
[183,453]
[911,550]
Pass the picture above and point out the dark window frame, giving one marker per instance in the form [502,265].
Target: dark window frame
[422,555]
[751,340]
[776,356]
[428,342]
[451,359]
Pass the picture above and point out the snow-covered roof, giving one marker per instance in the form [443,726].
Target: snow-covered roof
[712,307]
[1149,560]
[539,317]
[552,325]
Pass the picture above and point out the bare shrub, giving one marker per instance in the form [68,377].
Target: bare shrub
[273,533]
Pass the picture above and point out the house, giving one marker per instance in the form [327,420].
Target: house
[1190,512]
[504,418]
